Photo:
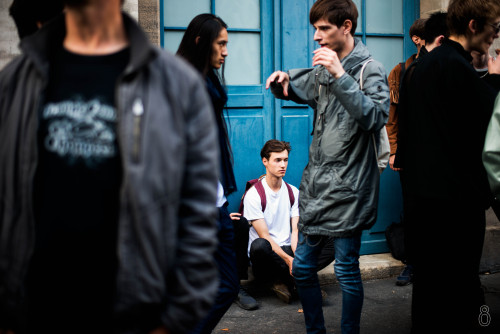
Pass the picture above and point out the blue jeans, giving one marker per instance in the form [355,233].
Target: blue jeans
[348,274]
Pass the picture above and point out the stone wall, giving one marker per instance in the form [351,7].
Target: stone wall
[149,19]
[429,6]
[8,35]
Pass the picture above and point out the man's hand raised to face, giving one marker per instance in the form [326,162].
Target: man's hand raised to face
[330,60]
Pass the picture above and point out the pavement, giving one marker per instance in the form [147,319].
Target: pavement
[386,308]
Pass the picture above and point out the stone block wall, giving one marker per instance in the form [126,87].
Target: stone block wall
[9,39]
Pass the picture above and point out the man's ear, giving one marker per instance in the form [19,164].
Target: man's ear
[473,26]
[439,40]
[347,26]
[196,40]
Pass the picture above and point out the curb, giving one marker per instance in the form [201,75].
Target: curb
[374,266]
[490,261]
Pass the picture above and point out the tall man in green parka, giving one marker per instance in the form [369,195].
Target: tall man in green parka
[339,187]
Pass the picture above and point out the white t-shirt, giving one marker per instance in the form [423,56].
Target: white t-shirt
[221,199]
[277,214]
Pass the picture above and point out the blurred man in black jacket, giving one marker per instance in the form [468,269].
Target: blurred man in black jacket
[449,107]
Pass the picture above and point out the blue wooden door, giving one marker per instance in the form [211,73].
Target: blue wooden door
[269,35]
[250,115]
[384,28]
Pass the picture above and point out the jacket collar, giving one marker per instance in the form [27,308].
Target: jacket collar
[40,46]
[459,48]
[357,57]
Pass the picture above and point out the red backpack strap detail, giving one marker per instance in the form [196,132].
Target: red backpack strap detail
[248,185]
[290,194]
[262,193]
[260,189]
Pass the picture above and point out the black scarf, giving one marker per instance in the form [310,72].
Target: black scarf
[219,99]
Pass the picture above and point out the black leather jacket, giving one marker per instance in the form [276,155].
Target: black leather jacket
[168,142]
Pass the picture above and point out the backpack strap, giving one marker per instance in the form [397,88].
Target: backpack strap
[262,193]
[361,73]
[290,194]
[257,183]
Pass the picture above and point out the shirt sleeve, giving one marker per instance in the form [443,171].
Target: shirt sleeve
[252,208]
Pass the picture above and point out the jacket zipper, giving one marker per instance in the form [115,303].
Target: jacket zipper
[137,111]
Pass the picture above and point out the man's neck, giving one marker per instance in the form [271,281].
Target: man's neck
[274,182]
[462,40]
[348,47]
[95,29]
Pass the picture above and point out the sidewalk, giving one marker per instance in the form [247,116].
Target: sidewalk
[386,309]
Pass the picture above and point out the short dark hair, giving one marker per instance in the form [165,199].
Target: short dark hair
[435,26]
[274,145]
[418,28]
[336,12]
[460,12]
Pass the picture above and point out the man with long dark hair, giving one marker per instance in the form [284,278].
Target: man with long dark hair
[108,177]
[204,45]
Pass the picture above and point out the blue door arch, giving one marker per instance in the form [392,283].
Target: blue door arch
[269,35]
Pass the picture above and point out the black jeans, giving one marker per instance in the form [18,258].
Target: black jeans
[267,266]
[241,230]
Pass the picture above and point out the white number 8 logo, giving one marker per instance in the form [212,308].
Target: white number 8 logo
[484,316]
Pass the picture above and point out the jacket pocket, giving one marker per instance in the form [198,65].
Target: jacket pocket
[324,191]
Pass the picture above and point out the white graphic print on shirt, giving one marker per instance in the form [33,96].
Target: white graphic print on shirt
[78,129]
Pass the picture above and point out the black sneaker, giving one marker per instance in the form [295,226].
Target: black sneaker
[245,301]
[406,276]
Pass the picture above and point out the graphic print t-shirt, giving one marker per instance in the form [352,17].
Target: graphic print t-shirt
[77,186]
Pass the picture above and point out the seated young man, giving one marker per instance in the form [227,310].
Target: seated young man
[273,232]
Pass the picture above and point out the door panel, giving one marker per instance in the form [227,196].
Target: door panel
[269,35]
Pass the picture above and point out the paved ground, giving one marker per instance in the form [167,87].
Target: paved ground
[386,310]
